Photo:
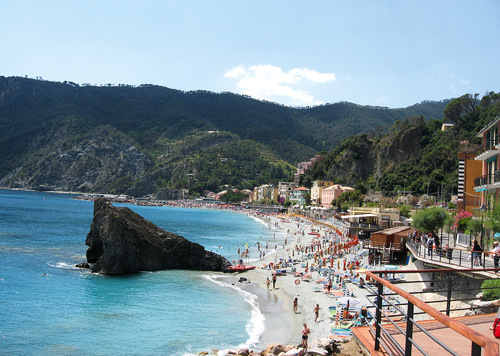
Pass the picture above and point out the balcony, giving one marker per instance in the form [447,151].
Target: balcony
[484,182]
[489,148]
[361,226]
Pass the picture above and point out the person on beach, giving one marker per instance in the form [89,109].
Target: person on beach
[295,305]
[274,281]
[316,311]
[268,282]
[305,336]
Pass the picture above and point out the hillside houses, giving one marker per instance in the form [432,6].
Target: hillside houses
[302,167]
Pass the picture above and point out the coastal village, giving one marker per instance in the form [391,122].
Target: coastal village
[367,280]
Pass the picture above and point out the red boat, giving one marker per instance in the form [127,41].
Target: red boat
[240,268]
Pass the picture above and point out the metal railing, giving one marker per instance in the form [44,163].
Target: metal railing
[489,144]
[452,255]
[385,340]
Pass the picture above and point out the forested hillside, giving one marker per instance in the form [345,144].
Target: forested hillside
[139,139]
[416,155]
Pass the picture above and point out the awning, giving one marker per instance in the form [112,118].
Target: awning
[359,216]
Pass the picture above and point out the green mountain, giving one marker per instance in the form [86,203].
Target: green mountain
[415,155]
[140,139]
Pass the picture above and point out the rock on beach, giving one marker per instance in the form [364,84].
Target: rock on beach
[121,241]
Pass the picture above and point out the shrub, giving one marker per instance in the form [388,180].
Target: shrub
[491,289]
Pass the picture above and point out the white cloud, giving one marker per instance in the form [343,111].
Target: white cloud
[271,83]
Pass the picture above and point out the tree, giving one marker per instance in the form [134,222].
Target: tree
[475,227]
[458,110]
[429,220]
[233,197]
[492,220]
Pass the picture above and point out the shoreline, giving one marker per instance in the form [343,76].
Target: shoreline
[282,325]
[286,290]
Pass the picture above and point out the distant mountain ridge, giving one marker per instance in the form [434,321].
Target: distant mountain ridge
[54,134]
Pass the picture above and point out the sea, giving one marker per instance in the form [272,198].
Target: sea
[50,307]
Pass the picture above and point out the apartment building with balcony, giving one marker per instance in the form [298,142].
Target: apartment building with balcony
[331,193]
[285,189]
[265,192]
[316,190]
[488,183]
[298,196]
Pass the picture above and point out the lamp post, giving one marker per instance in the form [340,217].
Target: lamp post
[482,209]
[443,215]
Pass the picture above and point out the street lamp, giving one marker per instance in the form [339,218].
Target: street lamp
[482,209]
[443,215]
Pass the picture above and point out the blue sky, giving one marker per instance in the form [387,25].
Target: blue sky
[299,53]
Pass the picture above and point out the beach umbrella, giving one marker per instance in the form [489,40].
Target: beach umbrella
[354,303]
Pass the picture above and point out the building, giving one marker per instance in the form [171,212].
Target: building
[173,194]
[331,193]
[265,192]
[446,127]
[302,167]
[468,170]
[388,243]
[317,188]
[298,196]
[285,189]
[363,221]
[488,183]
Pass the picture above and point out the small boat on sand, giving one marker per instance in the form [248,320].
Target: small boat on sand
[240,268]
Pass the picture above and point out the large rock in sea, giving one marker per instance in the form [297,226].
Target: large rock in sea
[121,241]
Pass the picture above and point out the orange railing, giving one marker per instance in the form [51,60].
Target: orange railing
[478,341]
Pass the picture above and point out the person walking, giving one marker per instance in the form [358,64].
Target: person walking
[316,311]
[496,254]
[295,305]
[268,283]
[477,253]
[274,281]
[430,244]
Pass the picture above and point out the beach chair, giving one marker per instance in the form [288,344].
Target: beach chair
[332,310]
[336,332]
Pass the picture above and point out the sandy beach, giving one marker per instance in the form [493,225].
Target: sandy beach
[282,325]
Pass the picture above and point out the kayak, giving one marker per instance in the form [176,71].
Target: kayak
[240,268]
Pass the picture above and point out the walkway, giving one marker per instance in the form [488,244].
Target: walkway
[458,343]
[460,258]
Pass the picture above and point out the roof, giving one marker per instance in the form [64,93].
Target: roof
[301,189]
[394,230]
[488,127]
[359,216]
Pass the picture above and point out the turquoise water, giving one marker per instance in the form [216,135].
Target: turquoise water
[49,307]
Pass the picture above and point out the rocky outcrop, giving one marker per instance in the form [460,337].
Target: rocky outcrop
[121,241]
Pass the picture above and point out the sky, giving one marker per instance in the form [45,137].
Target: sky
[390,53]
